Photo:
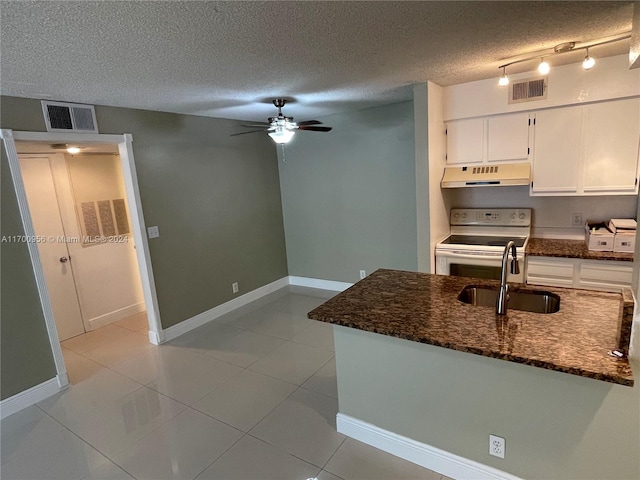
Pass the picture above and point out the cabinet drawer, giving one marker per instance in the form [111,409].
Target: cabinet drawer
[605,276]
[579,273]
[550,269]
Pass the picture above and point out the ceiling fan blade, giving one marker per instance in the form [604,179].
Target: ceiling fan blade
[244,133]
[309,122]
[314,129]
[253,125]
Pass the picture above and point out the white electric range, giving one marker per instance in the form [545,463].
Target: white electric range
[477,240]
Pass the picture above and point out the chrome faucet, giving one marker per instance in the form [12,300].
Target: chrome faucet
[503,294]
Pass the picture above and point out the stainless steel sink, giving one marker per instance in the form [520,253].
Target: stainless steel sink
[536,301]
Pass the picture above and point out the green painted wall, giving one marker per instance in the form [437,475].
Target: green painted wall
[215,198]
[556,426]
[349,196]
[25,353]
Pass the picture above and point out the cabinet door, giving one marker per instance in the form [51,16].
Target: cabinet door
[612,130]
[556,151]
[465,141]
[508,137]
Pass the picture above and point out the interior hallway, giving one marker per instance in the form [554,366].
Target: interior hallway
[252,395]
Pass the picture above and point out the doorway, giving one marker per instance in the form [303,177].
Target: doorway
[78,209]
[123,143]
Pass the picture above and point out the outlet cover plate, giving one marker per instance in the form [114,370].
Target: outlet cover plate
[576,219]
[496,446]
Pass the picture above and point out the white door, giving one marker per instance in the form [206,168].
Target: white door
[54,254]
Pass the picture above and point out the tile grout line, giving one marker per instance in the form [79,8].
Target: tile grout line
[190,407]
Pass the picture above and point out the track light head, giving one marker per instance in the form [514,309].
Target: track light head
[504,80]
[588,61]
[543,67]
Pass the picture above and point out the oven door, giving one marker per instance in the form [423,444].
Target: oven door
[474,264]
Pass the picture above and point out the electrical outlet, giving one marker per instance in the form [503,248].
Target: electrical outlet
[234,287]
[363,274]
[496,446]
[576,219]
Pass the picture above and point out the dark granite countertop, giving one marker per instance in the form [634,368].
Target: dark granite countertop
[424,308]
[552,247]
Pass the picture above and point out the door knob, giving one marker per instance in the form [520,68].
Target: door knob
[64,259]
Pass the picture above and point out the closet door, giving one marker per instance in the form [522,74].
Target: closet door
[52,247]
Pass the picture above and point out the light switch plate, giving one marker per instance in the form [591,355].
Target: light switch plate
[153,232]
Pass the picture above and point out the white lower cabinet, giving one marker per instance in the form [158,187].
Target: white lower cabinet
[609,276]
[555,272]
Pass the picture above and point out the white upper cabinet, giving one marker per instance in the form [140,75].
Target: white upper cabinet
[587,149]
[508,138]
[465,141]
[556,151]
[612,131]
[501,138]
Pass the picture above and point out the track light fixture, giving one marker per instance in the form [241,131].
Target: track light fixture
[543,66]
[504,80]
[588,61]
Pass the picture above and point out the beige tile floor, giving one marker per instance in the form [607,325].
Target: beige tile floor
[250,396]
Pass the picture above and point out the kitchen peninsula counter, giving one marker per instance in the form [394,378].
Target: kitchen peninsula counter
[424,308]
[553,247]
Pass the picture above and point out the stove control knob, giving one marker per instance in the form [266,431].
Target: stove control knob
[464,215]
[456,215]
[522,216]
[513,216]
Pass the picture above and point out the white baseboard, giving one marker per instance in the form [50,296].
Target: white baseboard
[33,395]
[319,283]
[114,316]
[205,317]
[157,338]
[422,454]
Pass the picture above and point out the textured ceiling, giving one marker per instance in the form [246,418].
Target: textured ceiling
[228,59]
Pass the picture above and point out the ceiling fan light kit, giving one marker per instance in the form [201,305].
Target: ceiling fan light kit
[282,134]
[544,67]
[282,129]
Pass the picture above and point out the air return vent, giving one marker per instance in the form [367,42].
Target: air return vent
[69,117]
[528,90]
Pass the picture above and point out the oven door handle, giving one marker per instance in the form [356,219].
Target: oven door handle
[469,256]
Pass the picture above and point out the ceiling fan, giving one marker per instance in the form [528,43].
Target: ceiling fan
[282,129]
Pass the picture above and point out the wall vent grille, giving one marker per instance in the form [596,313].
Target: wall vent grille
[69,117]
[528,90]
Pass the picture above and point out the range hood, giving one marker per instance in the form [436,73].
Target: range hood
[504,174]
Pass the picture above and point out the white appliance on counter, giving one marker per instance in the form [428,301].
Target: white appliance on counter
[477,240]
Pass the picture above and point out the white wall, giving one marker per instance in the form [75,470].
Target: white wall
[439,214]
[106,274]
[422,142]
